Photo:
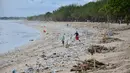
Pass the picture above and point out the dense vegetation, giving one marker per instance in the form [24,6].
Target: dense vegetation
[100,11]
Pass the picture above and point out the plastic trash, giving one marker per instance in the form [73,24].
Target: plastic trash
[109,33]
[30,70]
[14,71]
[44,31]
[54,71]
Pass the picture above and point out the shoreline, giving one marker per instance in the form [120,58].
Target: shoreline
[28,40]
[48,49]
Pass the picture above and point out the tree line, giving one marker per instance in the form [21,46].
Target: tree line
[12,18]
[99,11]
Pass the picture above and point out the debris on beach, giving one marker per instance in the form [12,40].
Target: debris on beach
[110,33]
[14,71]
[44,31]
[67,45]
[109,40]
[99,49]
[30,70]
[43,55]
[31,40]
[88,65]
[114,33]
[123,28]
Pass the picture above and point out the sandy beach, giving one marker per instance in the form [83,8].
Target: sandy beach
[47,53]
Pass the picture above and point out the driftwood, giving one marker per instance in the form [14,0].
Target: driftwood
[88,65]
[99,49]
[109,40]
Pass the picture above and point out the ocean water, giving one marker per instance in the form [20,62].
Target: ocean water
[13,34]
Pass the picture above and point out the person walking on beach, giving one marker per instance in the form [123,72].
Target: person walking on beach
[63,39]
[77,36]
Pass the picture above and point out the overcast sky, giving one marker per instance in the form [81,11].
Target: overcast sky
[33,7]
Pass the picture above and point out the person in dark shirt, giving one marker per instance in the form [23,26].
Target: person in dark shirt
[77,36]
